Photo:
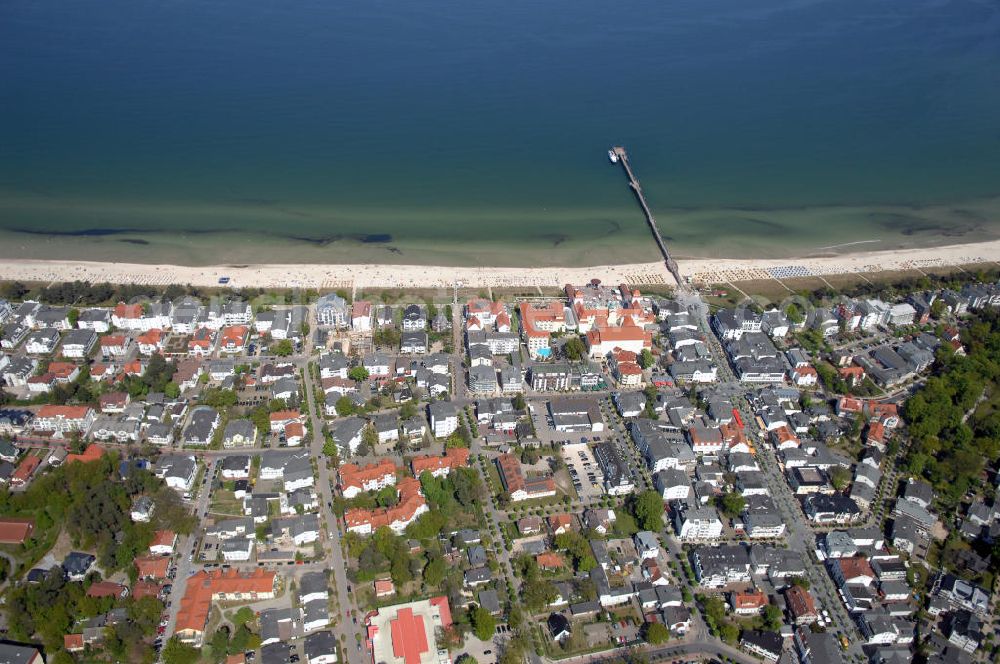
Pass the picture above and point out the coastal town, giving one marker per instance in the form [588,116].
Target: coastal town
[624,471]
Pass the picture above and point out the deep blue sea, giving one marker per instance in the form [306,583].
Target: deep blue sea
[449,131]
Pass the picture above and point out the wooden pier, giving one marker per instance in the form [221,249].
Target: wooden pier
[633,182]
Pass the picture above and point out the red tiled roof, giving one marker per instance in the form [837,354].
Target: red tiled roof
[409,638]
[354,475]
[92,453]
[629,331]
[410,500]
[800,602]
[109,340]
[67,412]
[163,538]
[62,369]
[557,521]
[73,642]
[854,567]
[203,586]
[876,432]
[15,531]
[282,415]
[234,335]
[749,600]
[123,310]
[151,338]
[550,560]
[153,566]
[145,589]
[455,457]
[25,469]
[105,589]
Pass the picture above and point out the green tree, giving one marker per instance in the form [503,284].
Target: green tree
[387,496]
[731,504]
[243,615]
[434,571]
[171,390]
[729,632]
[358,374]
[656,633]
[175,652]
[772,618]
[219,645]
[283,348]
[574,349]
[344,406]
[73,316]
[647,508]
[330,448]
[840,477]
[646,359]
[483,623]
[799,581]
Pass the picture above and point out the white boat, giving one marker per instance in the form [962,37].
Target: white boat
[612,156]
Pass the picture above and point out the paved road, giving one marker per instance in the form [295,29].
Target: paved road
[798,530]
[185,566]
[344,628]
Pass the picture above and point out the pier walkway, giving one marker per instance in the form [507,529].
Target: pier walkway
[633,182]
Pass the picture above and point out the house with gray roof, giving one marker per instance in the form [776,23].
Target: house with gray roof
[239,433]
[201,426]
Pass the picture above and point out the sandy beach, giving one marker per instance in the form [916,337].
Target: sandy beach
[698,270]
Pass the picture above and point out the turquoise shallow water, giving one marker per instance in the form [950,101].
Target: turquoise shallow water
[469,131]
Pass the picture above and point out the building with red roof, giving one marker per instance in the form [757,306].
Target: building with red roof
[61,420]
[355,479]
[440,466]
[384,588]
[560,523]
[151,342]
[233,339]
[92,453]
[801,605]
[25,470]
[145,588]
[152,567]
[106,589]
[784,438]
[295,432]
[64,372]
[410,506]
[603,339]
[115,345]
[163,542]
[16,531]
[520,487]
[73,642]
[407,633]
[205,587]
[876,435]
[282,417]
[748,603]
[550,560]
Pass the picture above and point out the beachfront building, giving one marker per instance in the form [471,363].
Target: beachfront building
[332,310]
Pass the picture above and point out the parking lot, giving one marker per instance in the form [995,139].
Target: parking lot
[583,470]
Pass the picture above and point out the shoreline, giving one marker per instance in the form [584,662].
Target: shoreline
[318,276]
